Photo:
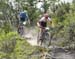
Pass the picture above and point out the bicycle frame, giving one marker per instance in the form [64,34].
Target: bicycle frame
[44,36]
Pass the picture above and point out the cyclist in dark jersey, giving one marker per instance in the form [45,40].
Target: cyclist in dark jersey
[42,23]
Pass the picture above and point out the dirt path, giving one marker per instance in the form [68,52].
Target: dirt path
[60,53]
[31,36]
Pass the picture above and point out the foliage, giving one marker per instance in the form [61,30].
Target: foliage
[12,46]
[64,32]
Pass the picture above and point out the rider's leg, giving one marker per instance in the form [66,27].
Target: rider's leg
[41,37]
[42,30]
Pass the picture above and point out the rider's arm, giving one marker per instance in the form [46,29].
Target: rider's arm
[49,21]
[38,24]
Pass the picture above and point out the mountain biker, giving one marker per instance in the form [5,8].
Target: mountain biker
[42,23]
[23,17]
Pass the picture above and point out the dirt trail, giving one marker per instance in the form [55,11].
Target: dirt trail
[60,53]
[31,36]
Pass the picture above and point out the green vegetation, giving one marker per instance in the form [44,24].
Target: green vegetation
[14,47]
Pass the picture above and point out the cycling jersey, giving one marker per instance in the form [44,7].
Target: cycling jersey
[43,21]
[23,16]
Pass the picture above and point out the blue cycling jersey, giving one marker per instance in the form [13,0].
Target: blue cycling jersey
[23,16]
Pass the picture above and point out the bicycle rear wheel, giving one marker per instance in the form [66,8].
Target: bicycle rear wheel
[21,30]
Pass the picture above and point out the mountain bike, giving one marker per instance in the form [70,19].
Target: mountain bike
[43,38]
[21,27]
